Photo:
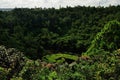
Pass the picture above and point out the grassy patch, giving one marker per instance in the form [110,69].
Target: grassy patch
[59,58]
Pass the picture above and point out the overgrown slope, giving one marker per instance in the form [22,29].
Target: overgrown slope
[108,39]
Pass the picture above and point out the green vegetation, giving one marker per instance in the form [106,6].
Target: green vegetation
[108,39]
[59,58]
[3,73]
[73,43]
[38,32]
[102,66]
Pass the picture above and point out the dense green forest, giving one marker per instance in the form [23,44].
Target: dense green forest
[73,43]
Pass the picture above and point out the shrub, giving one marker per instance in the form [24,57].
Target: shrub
[3,74]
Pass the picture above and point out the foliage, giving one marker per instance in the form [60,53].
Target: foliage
[102,66]
[17,78]
[108,39]
[70,32]
[11,59]
[37,32]
[3,73]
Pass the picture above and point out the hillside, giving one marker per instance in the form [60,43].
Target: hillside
[73,43]
[38,32]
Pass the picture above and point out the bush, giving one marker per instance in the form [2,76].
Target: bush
[3,74]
